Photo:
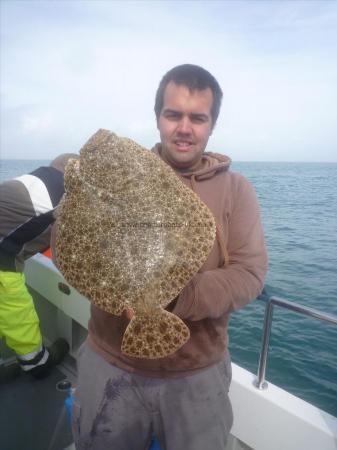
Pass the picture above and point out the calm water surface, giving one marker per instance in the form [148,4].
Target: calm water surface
[299,212]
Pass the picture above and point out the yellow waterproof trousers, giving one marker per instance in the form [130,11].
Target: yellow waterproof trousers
[19,323]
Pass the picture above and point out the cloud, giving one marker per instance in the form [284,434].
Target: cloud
[37,122]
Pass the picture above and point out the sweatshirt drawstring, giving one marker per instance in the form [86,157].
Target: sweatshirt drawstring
[193,183]
[223,248]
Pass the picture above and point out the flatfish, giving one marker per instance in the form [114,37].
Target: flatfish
[130,234]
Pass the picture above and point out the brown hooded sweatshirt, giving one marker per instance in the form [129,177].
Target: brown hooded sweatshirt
[231,277]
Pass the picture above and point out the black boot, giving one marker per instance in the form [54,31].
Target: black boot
[57,351]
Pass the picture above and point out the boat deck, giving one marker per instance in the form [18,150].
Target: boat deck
[33,414]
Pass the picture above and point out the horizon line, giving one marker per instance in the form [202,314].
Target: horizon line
[232,160]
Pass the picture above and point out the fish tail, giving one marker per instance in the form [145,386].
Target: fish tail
[154,336]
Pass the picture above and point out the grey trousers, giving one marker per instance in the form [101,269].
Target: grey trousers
[118,410]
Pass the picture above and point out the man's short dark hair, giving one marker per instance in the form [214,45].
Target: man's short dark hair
[194,78]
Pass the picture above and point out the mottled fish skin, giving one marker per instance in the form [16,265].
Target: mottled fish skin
[131,234]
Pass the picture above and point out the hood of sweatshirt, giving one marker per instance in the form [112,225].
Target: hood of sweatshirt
[209,165]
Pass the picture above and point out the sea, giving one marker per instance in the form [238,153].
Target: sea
[298,204]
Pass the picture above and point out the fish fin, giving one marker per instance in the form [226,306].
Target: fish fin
[154,336]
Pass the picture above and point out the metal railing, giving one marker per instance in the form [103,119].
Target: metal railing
[260,381]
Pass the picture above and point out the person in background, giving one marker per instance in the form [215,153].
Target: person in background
[27,204]
[183,398]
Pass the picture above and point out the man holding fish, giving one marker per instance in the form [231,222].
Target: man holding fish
[122,400]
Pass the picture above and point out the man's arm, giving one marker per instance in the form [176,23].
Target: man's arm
[215,292]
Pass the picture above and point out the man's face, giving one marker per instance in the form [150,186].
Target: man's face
[185,124]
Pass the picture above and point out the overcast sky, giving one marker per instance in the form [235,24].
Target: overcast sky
[71,67]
